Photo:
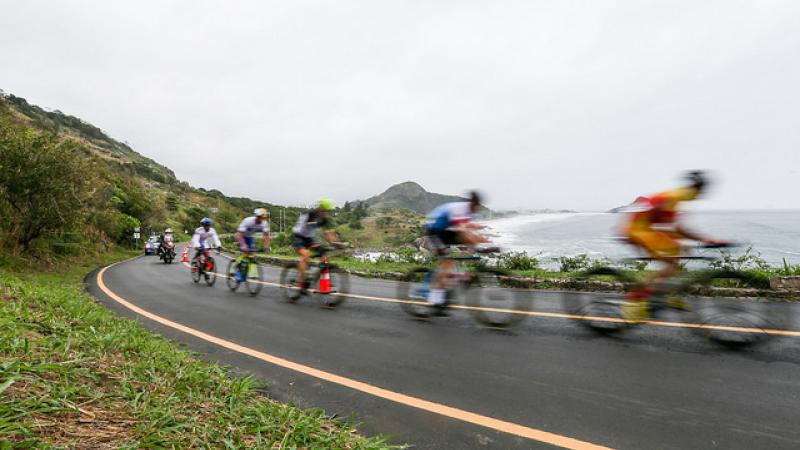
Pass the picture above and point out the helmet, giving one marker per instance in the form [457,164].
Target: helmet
[475,197]
[697,179]
[168,230]
[205,221]
[261,212]
[326,204]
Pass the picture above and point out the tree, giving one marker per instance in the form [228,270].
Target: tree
[46,185]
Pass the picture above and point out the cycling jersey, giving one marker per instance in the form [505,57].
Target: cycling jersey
[652,227]
[201,238]
[308,223]
[449,215]
[249,227]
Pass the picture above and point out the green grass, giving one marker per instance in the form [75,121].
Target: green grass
[73,374]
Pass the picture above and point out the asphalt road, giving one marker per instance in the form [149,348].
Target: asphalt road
[655,388]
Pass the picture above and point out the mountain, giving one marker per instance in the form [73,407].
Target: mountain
[409,195]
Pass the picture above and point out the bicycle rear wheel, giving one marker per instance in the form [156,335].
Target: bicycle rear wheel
[254,277]
[493,305]
[600,310]
[210,271]
[288,282]
[230,276]
[412,292]
[727,321]
[340,287]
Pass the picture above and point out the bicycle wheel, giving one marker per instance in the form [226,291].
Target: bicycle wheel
[288,282]
[493,305]
[254,277]
[340,287]
[196,270]
[230,276]
[412,292]
[600,309]
[729,322]
[210,271]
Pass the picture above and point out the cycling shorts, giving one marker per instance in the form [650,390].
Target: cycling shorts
[440,240]
[657,243]
[300,242]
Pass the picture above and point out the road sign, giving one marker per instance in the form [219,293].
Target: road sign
[136,235]
[136,230]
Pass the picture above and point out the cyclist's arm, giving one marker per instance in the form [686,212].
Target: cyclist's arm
[215,239]
[240,239]
[267,240]
[689,234]
[195,242]
[330,235]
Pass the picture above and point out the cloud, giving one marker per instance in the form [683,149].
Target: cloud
[543,104]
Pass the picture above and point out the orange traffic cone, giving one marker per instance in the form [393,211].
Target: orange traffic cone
[325,281]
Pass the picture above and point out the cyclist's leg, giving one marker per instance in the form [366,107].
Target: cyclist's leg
[303,246]
[442,240]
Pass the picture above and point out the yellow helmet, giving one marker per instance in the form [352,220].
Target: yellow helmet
[326,204]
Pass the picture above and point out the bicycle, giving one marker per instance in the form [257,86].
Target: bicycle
[489,303]
[330,283]
[245,264]
[204,265]
[728,323]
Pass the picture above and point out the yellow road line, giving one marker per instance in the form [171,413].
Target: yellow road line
[414,402]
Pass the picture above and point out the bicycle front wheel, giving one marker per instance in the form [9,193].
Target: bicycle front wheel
[230,276]
[254,277]
[196,271]
[210,271]
[728,321]
[493,305]
[412,293]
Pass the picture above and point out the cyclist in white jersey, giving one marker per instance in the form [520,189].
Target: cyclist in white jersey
[203,236]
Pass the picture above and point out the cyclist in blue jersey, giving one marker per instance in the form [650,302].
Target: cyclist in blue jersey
[451,224]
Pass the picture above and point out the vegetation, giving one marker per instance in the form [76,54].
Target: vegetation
[73,374]
[61,177]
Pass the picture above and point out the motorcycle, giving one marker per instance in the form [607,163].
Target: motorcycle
[167,253]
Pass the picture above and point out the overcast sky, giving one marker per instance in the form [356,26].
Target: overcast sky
[561,104]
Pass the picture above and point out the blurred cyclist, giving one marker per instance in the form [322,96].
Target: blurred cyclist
[304,237]
[257,223]
[654,228]
[451,224]
[203,235]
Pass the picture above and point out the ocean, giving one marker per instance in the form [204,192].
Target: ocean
[773,234]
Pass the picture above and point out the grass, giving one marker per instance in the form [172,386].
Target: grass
[73,374]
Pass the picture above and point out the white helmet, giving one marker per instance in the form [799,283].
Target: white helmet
[261,212]
[168,231]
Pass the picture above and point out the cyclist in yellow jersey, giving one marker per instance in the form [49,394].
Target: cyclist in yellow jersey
[654,227]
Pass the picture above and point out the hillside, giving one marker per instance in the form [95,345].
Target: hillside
[127,189]
[409,195]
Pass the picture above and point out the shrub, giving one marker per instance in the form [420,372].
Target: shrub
[749,260]
[517,261]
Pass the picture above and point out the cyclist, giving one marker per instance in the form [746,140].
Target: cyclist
[257,223]
[451,224]
[304,237]
[654,227]
[203,235]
